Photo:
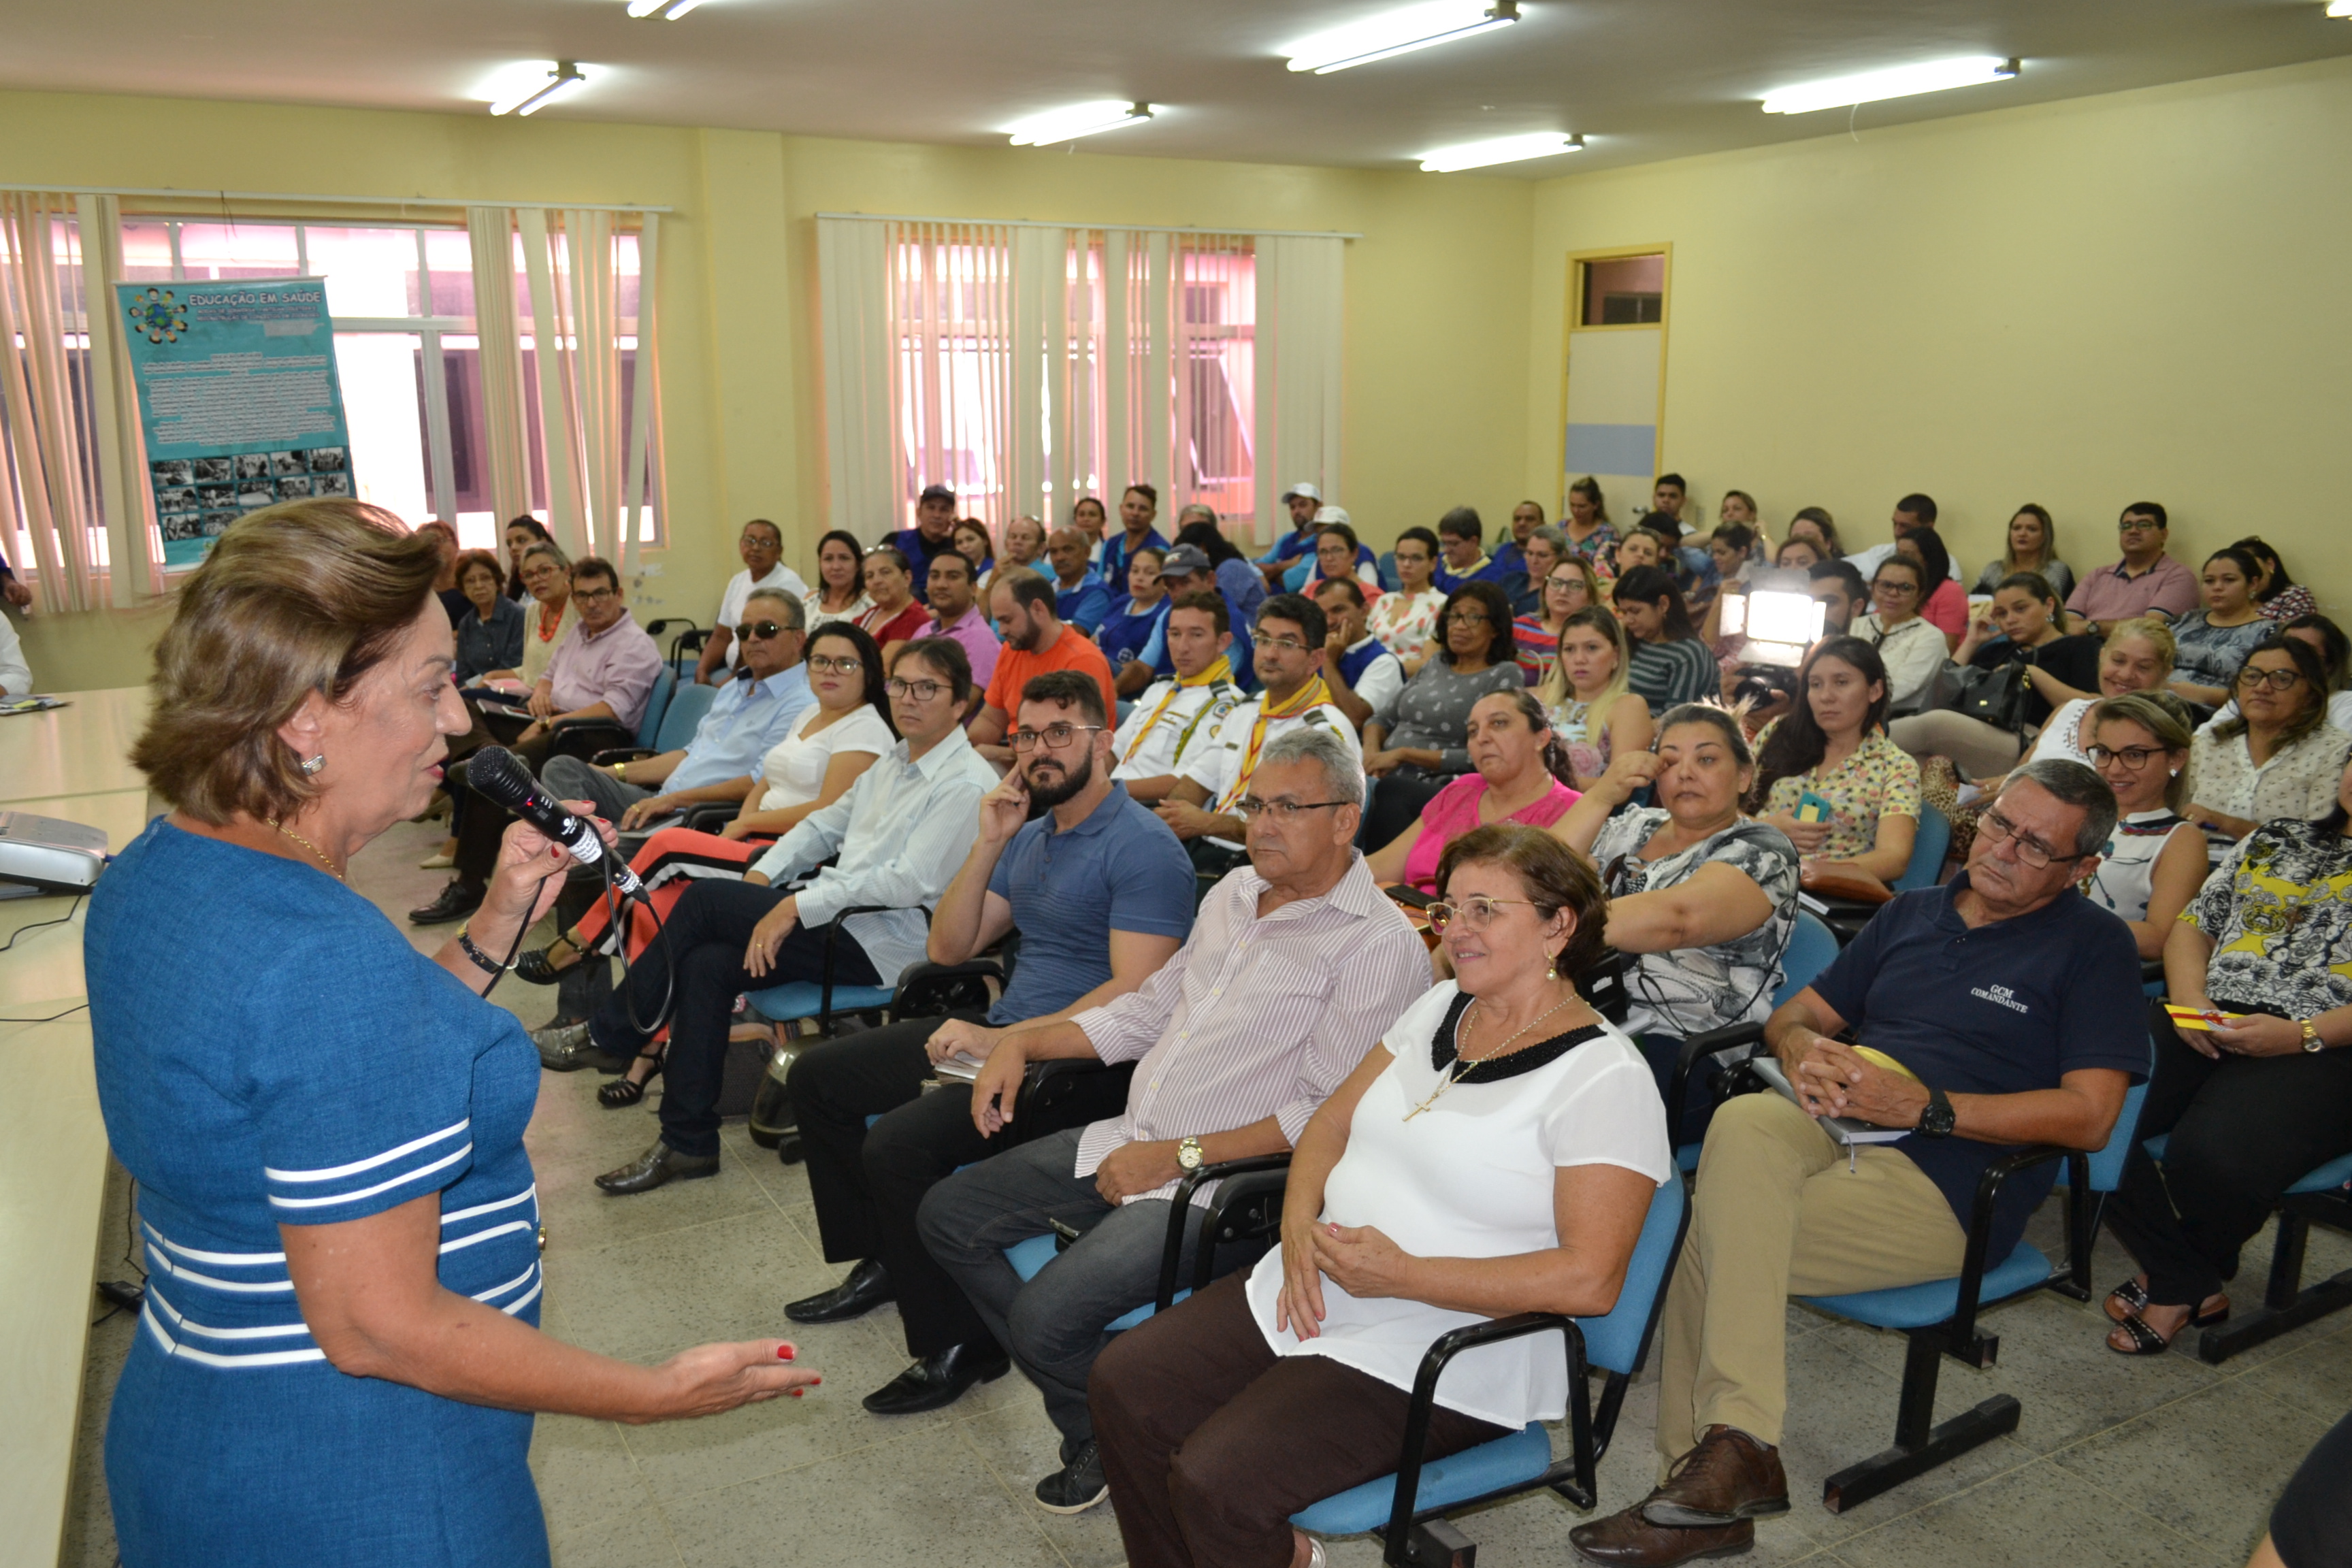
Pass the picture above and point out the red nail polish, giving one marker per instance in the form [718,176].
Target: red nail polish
[783,1352]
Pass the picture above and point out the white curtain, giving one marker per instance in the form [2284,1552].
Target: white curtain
[1299,327]
[1026,365]
[505,438]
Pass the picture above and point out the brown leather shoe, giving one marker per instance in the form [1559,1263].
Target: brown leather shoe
[1730,1476]
[1628,1541]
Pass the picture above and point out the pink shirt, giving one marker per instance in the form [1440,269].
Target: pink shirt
[1455,812]
[1946,608]
[2112,594]
[617,666]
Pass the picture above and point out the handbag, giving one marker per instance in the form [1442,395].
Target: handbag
[1996,697]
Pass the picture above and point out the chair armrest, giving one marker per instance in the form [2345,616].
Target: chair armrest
[1443,1349]
[606,758]
[1056,1081]
[1171,1256]
[1962,1341]
[585,737]
[917,982]
[1695,1050]
[710,815]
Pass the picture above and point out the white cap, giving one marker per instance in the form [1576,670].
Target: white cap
[1309,491]
[1334,514]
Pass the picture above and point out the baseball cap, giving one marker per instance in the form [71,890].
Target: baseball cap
[1185,561]
[1309,491]
[937,492]
[1334,514]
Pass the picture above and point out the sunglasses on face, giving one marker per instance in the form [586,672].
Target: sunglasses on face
[760,629]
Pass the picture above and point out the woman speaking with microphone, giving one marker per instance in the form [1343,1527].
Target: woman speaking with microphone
[338,1360]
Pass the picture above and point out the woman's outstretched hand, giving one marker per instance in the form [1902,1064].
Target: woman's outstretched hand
[712,1378]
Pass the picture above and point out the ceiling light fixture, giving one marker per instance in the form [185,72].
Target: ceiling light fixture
[1078,120]
[1902,82]
[1399,33]
[2339,7]
[1500,150]
[564,78]
[669,10]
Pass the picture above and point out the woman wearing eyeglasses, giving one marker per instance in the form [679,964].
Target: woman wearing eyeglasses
[1545,547]
[2154,859]
[2260,1099]
[1913,650]
[1406,620]
[1270,1390]
[2278,757]
[1703,897]
[1563,585]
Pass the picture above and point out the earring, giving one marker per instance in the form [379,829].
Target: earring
[1551,967]
[2175,772]
[311,765]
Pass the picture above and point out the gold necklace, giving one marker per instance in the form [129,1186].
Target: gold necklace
[1463,1065]
[306,844]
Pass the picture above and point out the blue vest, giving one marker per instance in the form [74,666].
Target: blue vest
[1353,664]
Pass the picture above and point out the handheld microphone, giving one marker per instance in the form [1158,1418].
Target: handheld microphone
[498,776]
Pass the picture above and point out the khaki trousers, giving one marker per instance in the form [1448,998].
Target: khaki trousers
[1778,1213]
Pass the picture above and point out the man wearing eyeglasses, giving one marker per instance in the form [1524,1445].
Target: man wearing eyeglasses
[2145,581]
[2013,1007]
[1201,806]
[1295,964]
[1101,894]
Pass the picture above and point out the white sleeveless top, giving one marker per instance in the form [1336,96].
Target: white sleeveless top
[794,768]
[1470,1178]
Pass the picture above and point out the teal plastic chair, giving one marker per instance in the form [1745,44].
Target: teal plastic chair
[1812,948]
[1409,1506]
[1928,847]
[829,999]
[2287,1302]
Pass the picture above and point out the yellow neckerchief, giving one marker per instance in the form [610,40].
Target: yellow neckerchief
[1299,701]
[1220,669]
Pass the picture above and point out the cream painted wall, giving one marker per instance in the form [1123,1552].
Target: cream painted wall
[1437,352]
[2082,303]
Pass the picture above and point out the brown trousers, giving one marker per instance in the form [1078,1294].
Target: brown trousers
[1210,1441]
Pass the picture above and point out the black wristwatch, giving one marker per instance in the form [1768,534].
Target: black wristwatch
[1936,1119]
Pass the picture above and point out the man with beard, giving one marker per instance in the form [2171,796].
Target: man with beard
[1102,895]
[1037,641]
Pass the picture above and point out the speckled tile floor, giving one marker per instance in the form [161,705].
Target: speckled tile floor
[2169,1462]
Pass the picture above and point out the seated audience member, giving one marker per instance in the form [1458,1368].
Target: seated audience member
[2335,657]
[2135,657]
[1736,549]
[1638,546]
[2278,595]
[2021,626]
[2211,643]
[1913,512]
[1526,518]
[1222,1417]
[1815,523]
[444,583]
[1946,607]
[1417,742]
[2030,545]
[521,533]
[1363,676]
[1566,586]
[761,547]
[1189,568]
[1135,617]
[1102,895]
[2252,1104]
[894,840]
[1591,709]
[1798,554]
[1738,506]
[606,668]
[1670,666]
[1204,805]
[2014,1008]
[1024,540]
[1309,568]
[1587,528]
[1703,899]
[1532,559]
[972,540]
[1036,642]
[2145,581]
[2278,758]
[1913,650]
[1176,719]
[2155,861]
[1088,516]
[1244,589]
[1828,777]
[490,632]
[548,619]
[1693,567]
[899,614]
[1137,508]
[1519,773]
[840,591]
[1079,597]
[1302,502]
[1295,963]
[933,531]
[956,614]
[1461,541]
[1405,619]
[16,675]
[1840,588]
[1335,561]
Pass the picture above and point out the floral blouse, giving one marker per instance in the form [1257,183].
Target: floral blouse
[2299,780]
[2290,602]
[1880,779]
[1405,622]
[1693,990]
[2279,910]
[1585,737]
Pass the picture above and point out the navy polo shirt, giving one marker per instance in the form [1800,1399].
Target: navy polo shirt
[1121,869]
[919,552]
[2011,1007]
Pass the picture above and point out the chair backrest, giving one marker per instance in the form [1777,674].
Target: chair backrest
[688,702]
[656,704]
[1614,1342]
[1390,582]
[2108,1164]
[1813,947]
[1928,847]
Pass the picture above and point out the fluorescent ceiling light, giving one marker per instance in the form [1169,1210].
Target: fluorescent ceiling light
[1500,150]
[563,77]
[1078,120]
[2339,7]
[669,9]
[1397,33]
[1901,82]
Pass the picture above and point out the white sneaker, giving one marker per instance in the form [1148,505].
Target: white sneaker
[439,860]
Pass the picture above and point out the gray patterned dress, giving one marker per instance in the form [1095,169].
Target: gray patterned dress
[1691,990]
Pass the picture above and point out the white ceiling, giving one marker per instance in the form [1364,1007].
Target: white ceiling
[1641,79]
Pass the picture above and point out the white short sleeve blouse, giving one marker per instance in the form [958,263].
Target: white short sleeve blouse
[1470,1178]
[794,767]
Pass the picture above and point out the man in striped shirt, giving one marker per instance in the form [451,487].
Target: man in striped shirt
[1295,964]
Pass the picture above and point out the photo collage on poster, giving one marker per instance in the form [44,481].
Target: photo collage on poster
[198,497]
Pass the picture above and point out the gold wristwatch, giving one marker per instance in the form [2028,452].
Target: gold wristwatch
[2311,1040]
[1188,1154]
[621,772]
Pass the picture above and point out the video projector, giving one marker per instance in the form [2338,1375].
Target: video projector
[47,855]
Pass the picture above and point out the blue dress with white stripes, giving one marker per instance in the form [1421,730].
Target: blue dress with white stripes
[271,1051]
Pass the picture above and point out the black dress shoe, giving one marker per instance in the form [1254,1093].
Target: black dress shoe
[656,1165]
[937,1381]
[867,1287]
[534,966]
[456,902]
